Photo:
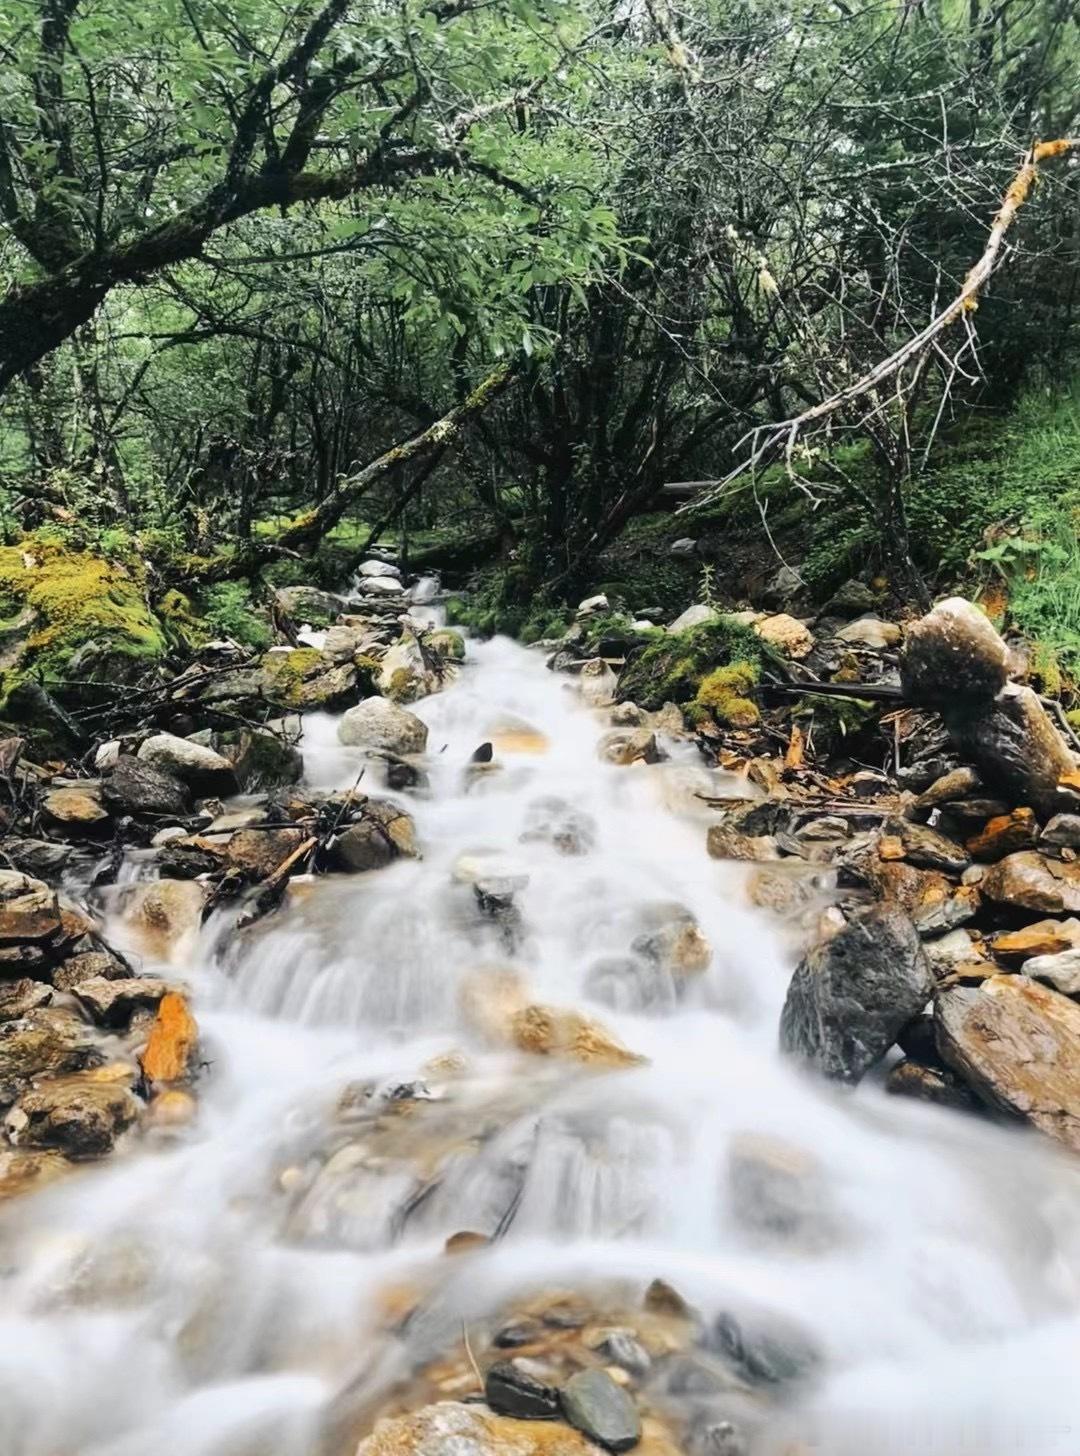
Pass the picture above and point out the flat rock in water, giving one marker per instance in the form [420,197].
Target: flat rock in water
[1043,938]
[138,787]
[511,1391]
[1017,1043]
[851,996]
[40,858]
[594,1405]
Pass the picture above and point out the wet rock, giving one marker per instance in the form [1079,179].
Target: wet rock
[624,746]
[46,1042]
[766,1349]
[450,1429]
[1062,832]
[724,841]
[517,1333]
[79,1116]
[561,1032]
[511,1391]
[256,853]
[379,568]
[498,876]
[598,682]
[664,1299]
[927,849]
[40,858]
[1031,882]
[631,983]
[623,1348]
[193,764]
[953,653]
[1017,749]
[188,856]
[163,912]
[405,674]
[26,1171]
[594,1405]
[1017,1044]
[137,787]
[1005,834]
[377,723]
[958,783]
[1043,938]
[933,903]
[787,634]
[850,997]
[381,587]
[934,1084]
[113,1002]
[677,944]
[554,821]
[86,966]
[871,632]
[19,998]
[382,833]
[170,1052]
[29,909]
[1061,970]
[777,1191]
[77,809]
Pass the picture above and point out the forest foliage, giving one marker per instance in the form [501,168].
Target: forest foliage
[251,250]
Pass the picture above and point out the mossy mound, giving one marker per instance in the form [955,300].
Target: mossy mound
[723,695]
[71,615]
[670,667]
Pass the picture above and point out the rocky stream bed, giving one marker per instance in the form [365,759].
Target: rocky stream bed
[412,1047]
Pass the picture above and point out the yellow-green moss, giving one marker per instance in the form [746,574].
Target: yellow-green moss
[290,671]
[670,666]
[75,597]
[723,692]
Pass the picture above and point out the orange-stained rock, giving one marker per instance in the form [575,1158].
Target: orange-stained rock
[890,847]
[558,1031]
[1004,835]
[1044,937]
[474,1431]
[1017,1043]
[173,1038]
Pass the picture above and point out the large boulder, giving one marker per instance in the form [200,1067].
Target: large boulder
[378,568]
[194,764]
[851,996]
[405,674]
[1016,748]
[1017,1043]
[379,724]
[137,787]
[953,653]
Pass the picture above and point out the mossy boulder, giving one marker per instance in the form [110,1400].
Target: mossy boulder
[71,618]
[307,678]
[724,695]
[670,666]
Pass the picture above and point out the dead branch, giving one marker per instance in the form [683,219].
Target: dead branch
[766,441]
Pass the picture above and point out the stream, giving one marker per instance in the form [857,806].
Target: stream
[225,1291]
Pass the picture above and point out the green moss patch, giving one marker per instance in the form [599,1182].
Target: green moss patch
[72,599]
[670,667]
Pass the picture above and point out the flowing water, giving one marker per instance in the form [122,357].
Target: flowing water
[225,1293]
